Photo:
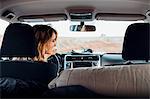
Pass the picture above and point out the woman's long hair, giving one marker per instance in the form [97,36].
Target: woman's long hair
[43,33]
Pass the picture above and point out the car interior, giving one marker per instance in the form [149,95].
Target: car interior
[103,49]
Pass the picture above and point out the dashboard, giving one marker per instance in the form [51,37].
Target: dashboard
[92,60]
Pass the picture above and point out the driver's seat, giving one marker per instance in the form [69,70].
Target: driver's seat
[19,41]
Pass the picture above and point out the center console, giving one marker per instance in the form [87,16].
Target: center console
[74,61]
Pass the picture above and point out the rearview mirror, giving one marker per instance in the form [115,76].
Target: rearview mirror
[82,28]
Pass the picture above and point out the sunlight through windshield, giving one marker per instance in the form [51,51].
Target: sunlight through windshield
[108,37]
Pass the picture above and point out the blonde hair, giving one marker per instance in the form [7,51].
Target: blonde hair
[43,33]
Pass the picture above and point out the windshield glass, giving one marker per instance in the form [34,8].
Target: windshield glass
[108,37]
[3,26]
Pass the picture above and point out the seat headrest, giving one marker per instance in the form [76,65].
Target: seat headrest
[18,41]
[136,44]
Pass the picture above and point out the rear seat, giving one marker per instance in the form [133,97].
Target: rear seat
[117,81]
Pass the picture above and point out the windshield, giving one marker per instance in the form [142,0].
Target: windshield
[108,37]
[3,26]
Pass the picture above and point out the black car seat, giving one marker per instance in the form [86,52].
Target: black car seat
[136,44]
[19,41]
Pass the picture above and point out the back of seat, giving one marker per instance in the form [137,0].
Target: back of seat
[19,41]
[28,71]
[112,81]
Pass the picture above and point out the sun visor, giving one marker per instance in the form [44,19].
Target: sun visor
[119,17]
[43,18]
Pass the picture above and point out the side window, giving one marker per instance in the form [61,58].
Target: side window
[3,26]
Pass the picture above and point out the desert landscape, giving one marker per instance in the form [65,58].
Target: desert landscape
[108,45]
[97,44]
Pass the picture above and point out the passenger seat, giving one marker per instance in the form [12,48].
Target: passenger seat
[136,44]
